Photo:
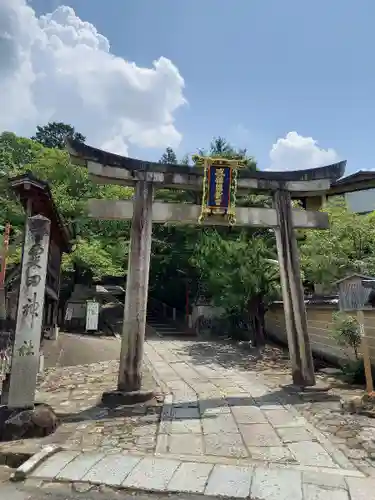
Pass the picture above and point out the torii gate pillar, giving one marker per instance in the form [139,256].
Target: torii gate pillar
[135,307]
[293,294]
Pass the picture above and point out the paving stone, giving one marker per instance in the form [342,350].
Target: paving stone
[152,474]
[144,430]
[283,418]
[325,480]
[361,489]
[162,444]
[224,423]
[226,445]
[186,427]
[111,470]
[271,454]
[217,410]
[315,492]
[79,467]
[185,400]
[145,443]
[186,444]
[229,481]
[185,413]
[312,454]
[216,407]
[210,395]
[259,435]
[165,426]
[276,405]
[258,391]
[276,484]
[55,464]
[248,415]
[294,434]
[190,477]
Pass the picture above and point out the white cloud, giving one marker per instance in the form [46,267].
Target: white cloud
[295,152]
[59,68]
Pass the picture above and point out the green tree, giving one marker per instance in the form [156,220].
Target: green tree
[169,157]
[240,276]
[221,148]
[348,246]
[54,134]
[100,247]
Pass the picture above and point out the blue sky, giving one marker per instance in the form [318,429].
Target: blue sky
[253,70]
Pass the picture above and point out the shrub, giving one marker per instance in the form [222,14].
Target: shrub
[346,331]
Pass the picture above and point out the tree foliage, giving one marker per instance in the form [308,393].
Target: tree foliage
[169,157]
[240,276]
[347,247]
[221,148]
[54,135]
[100,246]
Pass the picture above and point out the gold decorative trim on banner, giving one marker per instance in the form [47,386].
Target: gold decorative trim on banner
[219,187]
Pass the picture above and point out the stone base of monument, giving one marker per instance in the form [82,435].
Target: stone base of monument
[27,423]
[120,398]
[319,390]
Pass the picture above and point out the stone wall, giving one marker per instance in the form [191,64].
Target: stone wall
[203,314]
[319,320]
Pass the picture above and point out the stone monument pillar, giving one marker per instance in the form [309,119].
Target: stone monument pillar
[25,359]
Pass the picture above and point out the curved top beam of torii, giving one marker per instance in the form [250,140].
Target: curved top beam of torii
[111,168]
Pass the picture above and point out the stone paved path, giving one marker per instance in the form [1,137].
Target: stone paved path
[219,413]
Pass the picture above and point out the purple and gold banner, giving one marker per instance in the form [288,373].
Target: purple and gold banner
[219,188]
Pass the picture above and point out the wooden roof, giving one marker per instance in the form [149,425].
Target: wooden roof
[354,275]
[363,179]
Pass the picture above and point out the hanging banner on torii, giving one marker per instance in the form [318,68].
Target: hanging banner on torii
[219,187]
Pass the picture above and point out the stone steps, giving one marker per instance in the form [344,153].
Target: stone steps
[165,327]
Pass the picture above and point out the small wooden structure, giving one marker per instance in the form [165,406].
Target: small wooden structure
[36,198]
[146,178]
[354,293]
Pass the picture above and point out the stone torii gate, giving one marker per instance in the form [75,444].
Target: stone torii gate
[145,177]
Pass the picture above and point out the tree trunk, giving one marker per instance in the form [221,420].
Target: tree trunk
[256,311]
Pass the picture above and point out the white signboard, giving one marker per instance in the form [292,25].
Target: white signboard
[92,315]
[68,313]
[25,359]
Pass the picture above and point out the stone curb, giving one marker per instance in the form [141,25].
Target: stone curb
[33,462]
[158,381]
[148,474]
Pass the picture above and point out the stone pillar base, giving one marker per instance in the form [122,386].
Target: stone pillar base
[120,398]
[307,391]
